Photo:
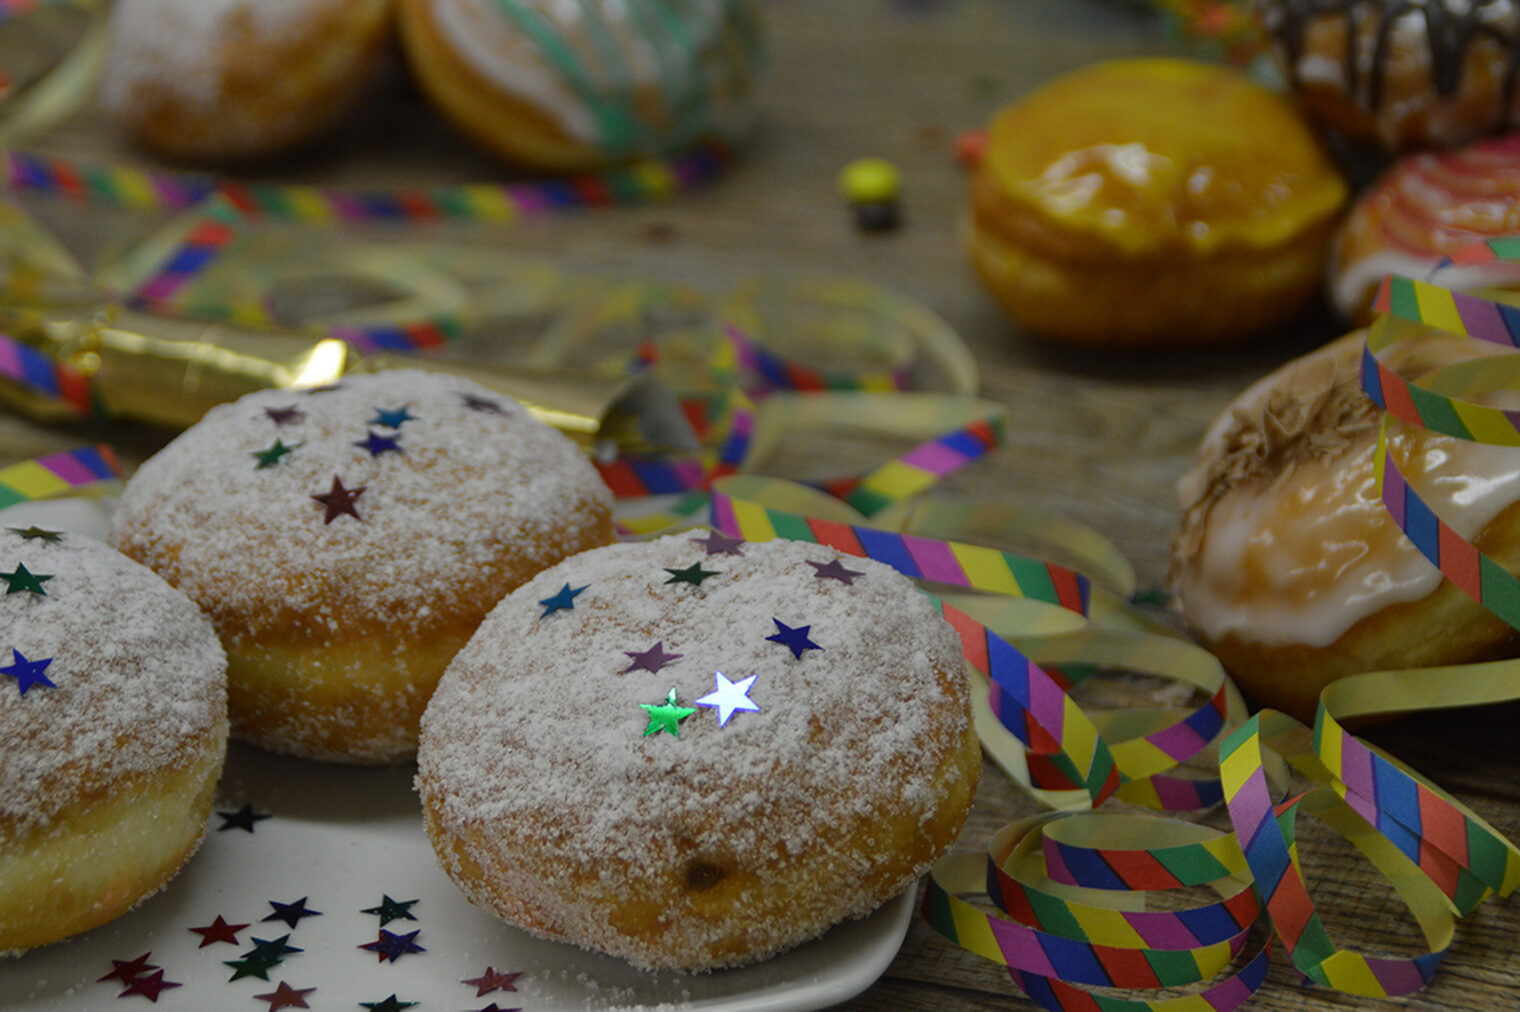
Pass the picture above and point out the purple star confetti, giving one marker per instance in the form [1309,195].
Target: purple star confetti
[729,696]
[834,570]
[493,980]
[796,640]
[149,986]
[651,660]
[718,543]
[285,416]
[477,403]
[285,996]
[28,674]
[390,946]
[291,913]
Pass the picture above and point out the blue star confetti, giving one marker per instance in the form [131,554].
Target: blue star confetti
[391,946]
[28,674]
[392,418]
[796,640]
[291,913]
[377,444]
[563,600]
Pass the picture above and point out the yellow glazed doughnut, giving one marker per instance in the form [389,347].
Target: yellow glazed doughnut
[694,753]
[113,715]
[577,85]
[347,541]
[1124,204]
[218,80]
[1287,565]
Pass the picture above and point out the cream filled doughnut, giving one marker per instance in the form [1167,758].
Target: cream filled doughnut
[1288,567]
[695,752]
[347,541]
[216,80]
[567,86]
[113,714]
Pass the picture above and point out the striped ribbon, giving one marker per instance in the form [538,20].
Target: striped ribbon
[42,374]
[84,471]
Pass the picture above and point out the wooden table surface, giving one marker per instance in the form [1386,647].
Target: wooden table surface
[1101,438]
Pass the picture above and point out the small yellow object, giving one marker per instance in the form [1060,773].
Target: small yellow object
[870,181]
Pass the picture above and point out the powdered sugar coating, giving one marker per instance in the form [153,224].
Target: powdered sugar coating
[535,739]
[140,679]
[468,494]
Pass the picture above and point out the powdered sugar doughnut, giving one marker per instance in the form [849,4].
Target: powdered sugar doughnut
[567,86]
[113,715]
[347,541]
[695,752]
[213,80]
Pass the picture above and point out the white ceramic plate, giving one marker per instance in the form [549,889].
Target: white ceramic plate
[344,838]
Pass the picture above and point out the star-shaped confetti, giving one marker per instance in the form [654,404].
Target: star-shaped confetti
[392,910]
[244,818]
[493,980]
[377,444]
[291,913]
[563,600]
[285,416]
[651,660]
[24,580]
[28,674]
[796,640]
[666,716]
[477,403]
[693,574]
[493,1007]
[339,500]
[391,946]
[391,1004]
[392,418]
[127,970]
[218,931]
[718,543]
[729,696]
[248,966]
[834,570]
[35,533]
[149,985]
[285,996]
[272,951]
[271,456]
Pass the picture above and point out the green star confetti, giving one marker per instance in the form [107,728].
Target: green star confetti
[271,456]
[24,580]
[666,716]
[693,574]
[35,533]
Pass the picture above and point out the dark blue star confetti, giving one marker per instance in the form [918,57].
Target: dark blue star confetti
[392,910]
[377,444]
[244,818]
[291,913]
[391,946]
[28,674]
[392,418]
[796,640]
[563,600]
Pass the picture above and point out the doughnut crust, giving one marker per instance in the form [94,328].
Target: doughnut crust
[1287,566]
[221,80]
[340,608]
[1121,205]
[108,773]
[566,88]
[555,798]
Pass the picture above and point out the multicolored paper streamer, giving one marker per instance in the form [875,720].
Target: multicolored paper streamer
[89,470]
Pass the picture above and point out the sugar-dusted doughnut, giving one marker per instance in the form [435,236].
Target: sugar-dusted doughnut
[1402,73]
[1424,208]
[697,752]
[576,85]
[346,541]
[113,715]
[217,80]
[1287,565]
[1125,204]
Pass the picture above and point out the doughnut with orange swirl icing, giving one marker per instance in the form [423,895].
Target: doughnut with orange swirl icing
[580,84]
[1423,209]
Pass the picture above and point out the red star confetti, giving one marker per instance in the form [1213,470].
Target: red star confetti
[291,913]
[149,986]
[493,980]
[391,946]
[651,660]
[834,570]
[796,640]
[339,500]
[285,996]
[729,696]
[125,970]
[218,931]
[718,543]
